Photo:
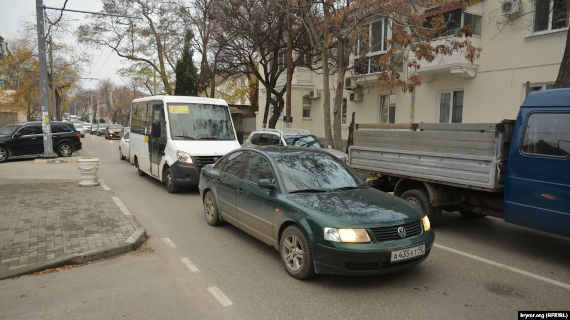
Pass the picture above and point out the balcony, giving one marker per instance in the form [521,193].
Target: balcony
[454,65]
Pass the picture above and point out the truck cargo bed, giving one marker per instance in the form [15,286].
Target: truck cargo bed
[465,155]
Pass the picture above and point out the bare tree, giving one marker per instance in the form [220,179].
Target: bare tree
[155,39]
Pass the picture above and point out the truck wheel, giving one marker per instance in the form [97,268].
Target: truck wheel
[419,199]
[171,186]
[139,171]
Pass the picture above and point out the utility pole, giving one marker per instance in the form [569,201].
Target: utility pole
[52,81]
[48,143]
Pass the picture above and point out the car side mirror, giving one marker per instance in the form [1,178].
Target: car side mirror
[266,184]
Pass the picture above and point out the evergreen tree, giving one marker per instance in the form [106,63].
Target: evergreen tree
[186,78]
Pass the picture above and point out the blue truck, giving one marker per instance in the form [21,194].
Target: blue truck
[517,170]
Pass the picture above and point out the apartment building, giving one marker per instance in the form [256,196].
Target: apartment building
[521,40]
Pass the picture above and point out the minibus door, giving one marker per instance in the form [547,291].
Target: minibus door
[157,141]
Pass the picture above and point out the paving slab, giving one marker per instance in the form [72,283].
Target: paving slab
[45,223]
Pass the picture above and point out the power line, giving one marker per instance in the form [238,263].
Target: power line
[92,12]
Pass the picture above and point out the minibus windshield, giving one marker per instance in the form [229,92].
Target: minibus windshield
[195,121]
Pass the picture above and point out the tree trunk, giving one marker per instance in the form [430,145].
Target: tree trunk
[288,119]
[279,104]
[267,103]
[337,109]
[563,79]
[326,83]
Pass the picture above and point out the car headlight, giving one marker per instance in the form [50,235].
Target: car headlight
[427,225]
[183,157]
[347,235]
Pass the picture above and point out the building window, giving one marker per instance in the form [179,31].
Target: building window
[371,45]
[540,86]
[451,107]
[550,15]
[454,20]
[306,108]
[343,111]
[392,112]
[474,21]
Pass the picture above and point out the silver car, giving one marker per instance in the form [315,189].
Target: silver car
[289,137]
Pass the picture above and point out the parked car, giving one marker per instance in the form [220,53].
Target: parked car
[26,140]
[81,128]
[315,211]
[94,128]
[124,147]
[113,131]
[101,129]
[289,137]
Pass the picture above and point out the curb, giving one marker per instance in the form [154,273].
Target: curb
[57,160]
[133,242]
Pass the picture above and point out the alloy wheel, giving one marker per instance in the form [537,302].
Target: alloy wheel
[65,150]
[293,253]
[210,209]
[3,154]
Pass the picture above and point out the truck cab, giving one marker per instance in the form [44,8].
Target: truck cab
[537,186]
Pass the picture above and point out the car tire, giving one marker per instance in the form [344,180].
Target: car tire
[419,199]
[139,171]
[296,254]
[3,154]
[64,150]
[211,212]
[169,181]
[121,154]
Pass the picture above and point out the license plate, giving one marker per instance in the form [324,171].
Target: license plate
[408,253]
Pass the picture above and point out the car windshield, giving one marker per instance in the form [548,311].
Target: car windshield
[194,121]
[78,125]
[313,171]
[309,141]
[8,130]
[115,126]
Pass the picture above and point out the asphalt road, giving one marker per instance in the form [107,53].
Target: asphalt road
[482,268]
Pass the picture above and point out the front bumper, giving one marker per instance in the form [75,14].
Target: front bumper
[185,174]
[367,259]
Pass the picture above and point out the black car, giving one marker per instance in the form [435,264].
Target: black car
[26,140]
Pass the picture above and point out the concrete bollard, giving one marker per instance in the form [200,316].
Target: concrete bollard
[88,171]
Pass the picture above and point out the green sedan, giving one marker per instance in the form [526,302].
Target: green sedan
[315,211]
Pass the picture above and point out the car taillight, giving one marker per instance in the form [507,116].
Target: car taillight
[78,135]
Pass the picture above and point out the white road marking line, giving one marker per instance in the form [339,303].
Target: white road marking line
[122,206]
[169,242]
[191,266]
[506,267]
[220,296]
[104,186]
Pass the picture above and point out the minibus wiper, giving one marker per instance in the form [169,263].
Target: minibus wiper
[185,137]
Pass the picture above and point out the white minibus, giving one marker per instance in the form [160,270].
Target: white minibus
[173,137]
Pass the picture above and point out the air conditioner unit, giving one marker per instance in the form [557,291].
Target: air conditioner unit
[510,7]
[356,97]
[349,84]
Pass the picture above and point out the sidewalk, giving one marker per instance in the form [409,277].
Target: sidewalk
[47,220]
